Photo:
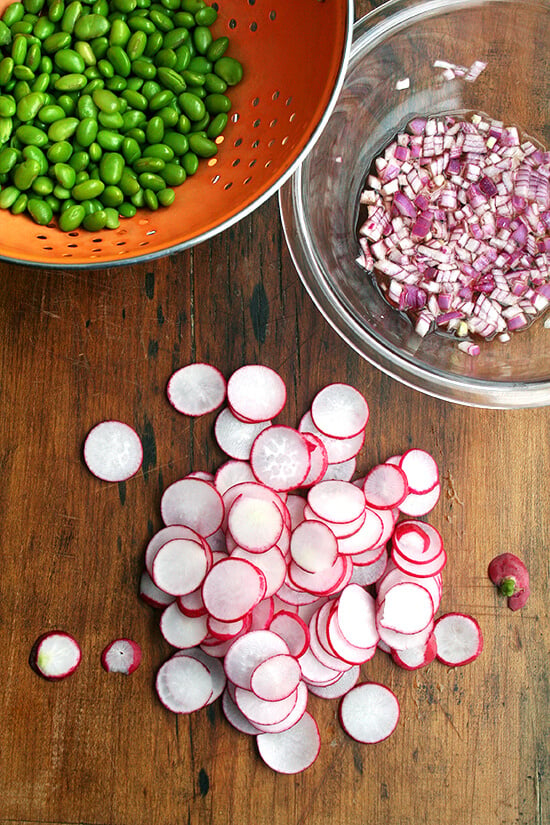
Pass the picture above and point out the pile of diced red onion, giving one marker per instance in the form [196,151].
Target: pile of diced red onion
[457,231]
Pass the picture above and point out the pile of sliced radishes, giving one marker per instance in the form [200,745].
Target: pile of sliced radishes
[263,569]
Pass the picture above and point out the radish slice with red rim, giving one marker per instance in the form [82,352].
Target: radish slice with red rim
[349,653]
[338,449]
[280,458]
[318,459]
[236,437]
[180,630]
[262,711]
[369,712]
[420,469]
[343,471]
[340,411]
[368,574]
[458,638]
[224,631]
[272,564]
[293,717]
[113,451]
[191,604]
[424,570]
[323,582]
[255,524]
[151,594]
[385,487]
[262,614]
[180,565]
[158,539]
[184,684]
[236,717]
[407,607]
[196,389]
[420,504]
[341,530]
[313,546]
[55,655]
[368,536]
[356,616]
[214,667]
[291,751]
[276,677]
[314,672]
[231,589]
[292,629]
[404,641]
[232,472]
[248,651]
[121,656]
[192,502]
[295,505]
[256,393]
[416,657]
[337,501]
[340,687]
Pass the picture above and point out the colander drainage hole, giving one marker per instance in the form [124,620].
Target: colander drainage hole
[272,14]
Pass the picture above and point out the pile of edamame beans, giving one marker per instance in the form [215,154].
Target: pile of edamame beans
[106,106]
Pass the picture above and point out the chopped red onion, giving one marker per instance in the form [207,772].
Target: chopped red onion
[458,226]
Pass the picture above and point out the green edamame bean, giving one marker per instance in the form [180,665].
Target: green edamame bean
[95,221]
[5,34]
[216,126]
[106,101]
[124,6]
[8,159]
[71,14]
[159,150]
[65,175]
[41,82]
[56,10]
[119,60]
[190,163]
[137,134]
[112,196]
[84,49]
[6,128]
[183,58]
[108,140]
[193,78]
[151,181]
[173,174]
[177,142]
[120,33]
[200,64]
[130,150]
[25,173]
[23,73]
[155,42]
[19,49]
[13,14]
[8,106]
[150,89]
[86,106]
[176,37]
[165,57]
[129,183]
[6,70]
[144,68]
[112,121]
[71,82]
[71,218]
[161,99]
[28,134]
[20,204]
[192,106]
[69,60]
[43,28]
[59,152]
[111,167]
[127,210]
[202,146]
[202,39]
[56,41]
[161,20]
[136,45]
[68,102]
[154,131]
[95,151]
[171,80]
[216,103]
[8,196]
[217,48]
[206,16]
[34,153]
[43,186]
[148,164]
[142,24]
[62,129]
[132,119]
[150,199]
[112,218]
[86,131]
[192,6]
[137,200]
[105,67]
[88,189]
[184,19]
[229,69]
[90,26]
[169,115]
[34,55]
[80,160]
[183,125]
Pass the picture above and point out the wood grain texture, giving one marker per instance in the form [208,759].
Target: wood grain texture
[472,745]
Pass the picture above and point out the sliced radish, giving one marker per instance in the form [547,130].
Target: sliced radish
[407,607]
[293,717]
[246,653]
[459,639]
[232,472]
[192,502]
[340,411]
[351,654]
[385,487]
[255,524]
[319,640]
[262,711]
[226,631]
[55,655]
[236,437]
[151,594]
[340,687]
[256,393]
[337,501]
[121,656]
[158,539]
[369,712]
[293,750]
[416,542]
[191,604]
[276,677]
[213,665]
[367,574]
[356,616]
[292,629]
[396,640]
[113,451]
[292,595]
[341,530]
[196,389]
[280,458]
[184,684]
[313,546]
[419,504]
[321,583]
[368,536]
[318,459]
[232,588]
[423,570]
[316,673]
[295,505]
[416,657]
[420,469]
[338,449]
[180,630]
[343,471]
[180,566]
[262,614]
[272,564]
[236,717]
[394,575]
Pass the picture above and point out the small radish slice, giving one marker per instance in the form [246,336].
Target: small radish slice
[349,653]
[184,684]
[341,530]
[356,616]
[369,712]
[180,566]
[196,389]
[225,631]
[158,539]
[368,536]
[340,687]
[236,437]
[340,411]
[151,594]
[246,653]
[295,505]
[343,471]
[419,504]
[395,576]
[121,656]
[404,641]
[272,564]
[262,712]
[276,677]
[406,608]
[255,524]
[385,487]
[318,459]
[294,596]
[232,588]
[232,472]
[337,501]
[416,657]
[319,642]
[292,629]
[256,393]
[320,583]
[421,470]
[280,458]
[204,475]
[214,666]
[55,655]
[180,630]
[415,543]
[293,750]
[424,570]
[295,714]
[367,574]
[113,451]
[459,639]
[191,604]
[313,546]
[314,672]
[236,717]
[338,449]
[262,614]
[194,503]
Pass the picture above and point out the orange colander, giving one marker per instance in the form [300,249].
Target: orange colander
[294,54]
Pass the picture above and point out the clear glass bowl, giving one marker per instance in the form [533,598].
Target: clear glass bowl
[320,204]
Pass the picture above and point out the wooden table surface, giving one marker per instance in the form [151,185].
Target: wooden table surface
[472,744]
